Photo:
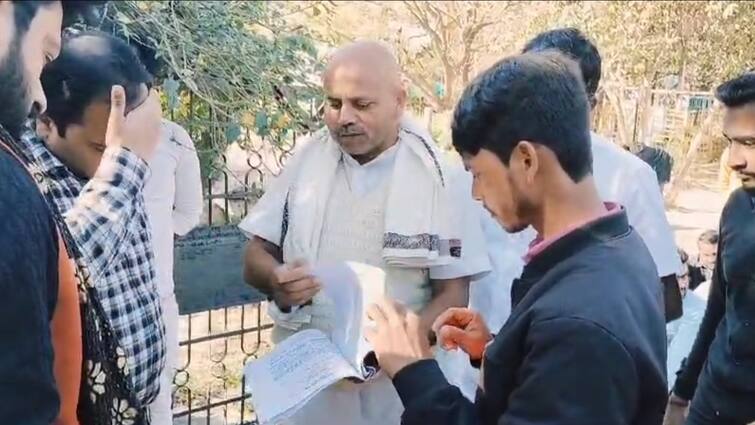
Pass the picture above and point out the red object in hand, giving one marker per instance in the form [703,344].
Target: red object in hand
[462,328]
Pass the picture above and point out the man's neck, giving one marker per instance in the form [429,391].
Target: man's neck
[571,206]
[369,156]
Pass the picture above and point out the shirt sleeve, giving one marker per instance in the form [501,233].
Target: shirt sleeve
[187,204]
[265,220]
[101,216]
[428,398]
[474,261]
[647,214]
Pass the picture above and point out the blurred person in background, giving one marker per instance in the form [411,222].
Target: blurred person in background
[701,266]
[173,196]
[681,332]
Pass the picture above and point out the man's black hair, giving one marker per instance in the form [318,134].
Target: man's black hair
[89,64]
[575,44]
[538,98]
[73,11]
[709,237]
[738,91]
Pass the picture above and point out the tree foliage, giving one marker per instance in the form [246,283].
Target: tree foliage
[439,44]
[239,61]
[442,45]
[699,43]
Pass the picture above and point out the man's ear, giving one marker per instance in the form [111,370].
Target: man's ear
[401,99]
[46,127]
[526,153]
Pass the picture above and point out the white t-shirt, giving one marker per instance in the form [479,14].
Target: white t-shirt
[266,222]
[173,197]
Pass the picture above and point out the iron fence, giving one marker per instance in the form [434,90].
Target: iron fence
[223,323]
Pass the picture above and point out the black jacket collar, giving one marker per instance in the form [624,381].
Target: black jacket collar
[600,230]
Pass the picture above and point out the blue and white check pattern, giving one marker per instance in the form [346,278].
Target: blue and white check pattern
[107,218]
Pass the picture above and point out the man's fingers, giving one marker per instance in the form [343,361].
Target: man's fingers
[297,297]
[450,337]
[117,101]
[299,285]
[456,316]
[394,312]
[117,110]
[441,320]
[301,298]
[292,273]
[370,334]
[376,314]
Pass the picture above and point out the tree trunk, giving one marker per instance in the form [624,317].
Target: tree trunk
[645,108]
[677,182]
[615,99]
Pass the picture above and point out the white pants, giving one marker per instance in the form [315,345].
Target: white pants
[161,410]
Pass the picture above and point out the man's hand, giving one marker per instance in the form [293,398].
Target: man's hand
[676,410]
[293,284]
[462,328]
[396,337]
[137,131]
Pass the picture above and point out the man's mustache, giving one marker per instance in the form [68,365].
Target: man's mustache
[349,131]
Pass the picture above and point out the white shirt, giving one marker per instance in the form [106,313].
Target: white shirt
[363,178]
[623,178]
[173,196]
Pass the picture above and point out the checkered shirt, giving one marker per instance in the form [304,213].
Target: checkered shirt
[107,218]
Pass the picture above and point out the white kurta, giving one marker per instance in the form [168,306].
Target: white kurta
[353,231]
[173,197]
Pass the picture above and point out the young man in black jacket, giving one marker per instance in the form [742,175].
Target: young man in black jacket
[585,342]
[719,374]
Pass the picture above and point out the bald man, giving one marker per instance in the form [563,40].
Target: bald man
[370,187]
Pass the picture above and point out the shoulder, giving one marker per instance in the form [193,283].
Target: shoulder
[619,159]
[738,200]
[176,135]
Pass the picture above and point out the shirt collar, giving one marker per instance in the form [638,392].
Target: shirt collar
[539,244]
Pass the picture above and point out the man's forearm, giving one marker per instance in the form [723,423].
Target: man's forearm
[447,293]
[103,212]
[261,259]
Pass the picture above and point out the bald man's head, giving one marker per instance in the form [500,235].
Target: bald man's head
[365,98]
[374,57]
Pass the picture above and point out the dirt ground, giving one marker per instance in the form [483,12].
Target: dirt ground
[697,209]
